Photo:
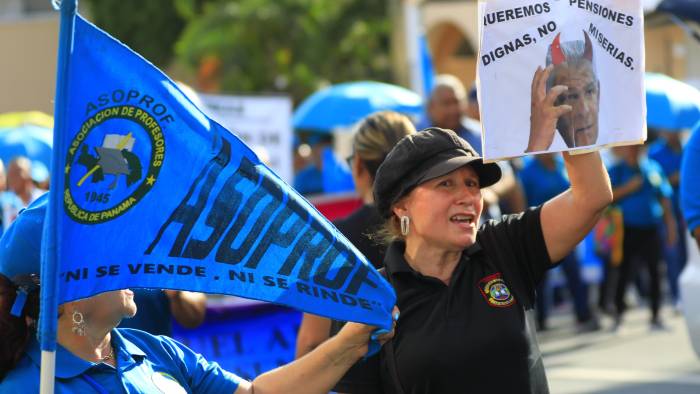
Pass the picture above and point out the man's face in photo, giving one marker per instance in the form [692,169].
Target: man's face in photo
[580,126]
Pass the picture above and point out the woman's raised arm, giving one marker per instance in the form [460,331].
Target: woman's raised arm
[568,217]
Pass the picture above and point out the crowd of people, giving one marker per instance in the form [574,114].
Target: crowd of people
[468,247]
[646,188]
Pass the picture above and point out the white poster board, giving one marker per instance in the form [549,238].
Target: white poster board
[264,123]
[594,50]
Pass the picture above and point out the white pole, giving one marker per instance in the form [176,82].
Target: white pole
[48,366]
[50,264]
[412,28]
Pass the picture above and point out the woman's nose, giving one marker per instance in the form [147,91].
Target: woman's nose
[465,194]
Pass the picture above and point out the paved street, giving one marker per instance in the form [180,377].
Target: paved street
[633,360]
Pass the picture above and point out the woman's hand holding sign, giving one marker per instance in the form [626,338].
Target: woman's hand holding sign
[544,113]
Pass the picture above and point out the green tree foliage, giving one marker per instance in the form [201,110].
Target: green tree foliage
[150,27]
[293,46]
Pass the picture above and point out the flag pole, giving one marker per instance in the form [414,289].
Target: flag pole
[48,319]
[412,27]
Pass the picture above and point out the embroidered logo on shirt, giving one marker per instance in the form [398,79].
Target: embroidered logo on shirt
[495,291]
[167,384]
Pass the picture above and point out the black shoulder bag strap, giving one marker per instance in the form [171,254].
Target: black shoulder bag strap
[388,349]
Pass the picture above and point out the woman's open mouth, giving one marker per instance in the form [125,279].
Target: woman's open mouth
[464,220]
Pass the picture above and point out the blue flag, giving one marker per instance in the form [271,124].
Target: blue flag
[426,65]
[152,193]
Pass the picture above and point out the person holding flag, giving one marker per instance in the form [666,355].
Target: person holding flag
[95,356]
[149,192]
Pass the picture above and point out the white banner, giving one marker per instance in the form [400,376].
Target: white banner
[264,123]
[560,75]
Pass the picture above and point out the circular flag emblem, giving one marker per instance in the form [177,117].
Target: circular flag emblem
[112,162]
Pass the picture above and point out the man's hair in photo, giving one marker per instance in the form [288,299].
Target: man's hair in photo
[449,81]
[574,53]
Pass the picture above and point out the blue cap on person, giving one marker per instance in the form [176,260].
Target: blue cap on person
[20,251]
[20,245]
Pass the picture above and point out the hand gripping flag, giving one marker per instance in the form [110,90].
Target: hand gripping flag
[150,192]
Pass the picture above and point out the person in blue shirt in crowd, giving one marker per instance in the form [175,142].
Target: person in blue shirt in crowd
[668,151]
[309,179]
[94,356]
[325,172]
[544,177]
[446,106]
[690,187]
[643,194]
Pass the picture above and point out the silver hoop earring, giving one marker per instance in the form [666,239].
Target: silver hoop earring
[78,323]
[405,221]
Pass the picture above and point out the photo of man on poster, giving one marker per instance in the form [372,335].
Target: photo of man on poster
[571,92]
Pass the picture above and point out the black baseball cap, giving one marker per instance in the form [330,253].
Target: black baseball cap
[426,155]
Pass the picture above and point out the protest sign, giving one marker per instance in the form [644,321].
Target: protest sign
[560,75]
[244,339]
[263,122]
[153,193]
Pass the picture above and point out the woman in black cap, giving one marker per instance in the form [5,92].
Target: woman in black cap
[463,289]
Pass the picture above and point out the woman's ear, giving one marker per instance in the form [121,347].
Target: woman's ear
[400,208]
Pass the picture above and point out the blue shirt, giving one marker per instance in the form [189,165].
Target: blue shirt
[334,177]
[669,160]
[690,181]
[643,207]
[309,180]
[154,314]
[541,183]
[467,130]
[471,136]
[145,364]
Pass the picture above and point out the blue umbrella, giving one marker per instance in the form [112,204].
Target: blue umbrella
[346,103]
[31,141]
[671,104]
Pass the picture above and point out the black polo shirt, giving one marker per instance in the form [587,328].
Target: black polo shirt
[470,336]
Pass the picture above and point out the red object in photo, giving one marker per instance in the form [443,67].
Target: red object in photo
[336,206]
